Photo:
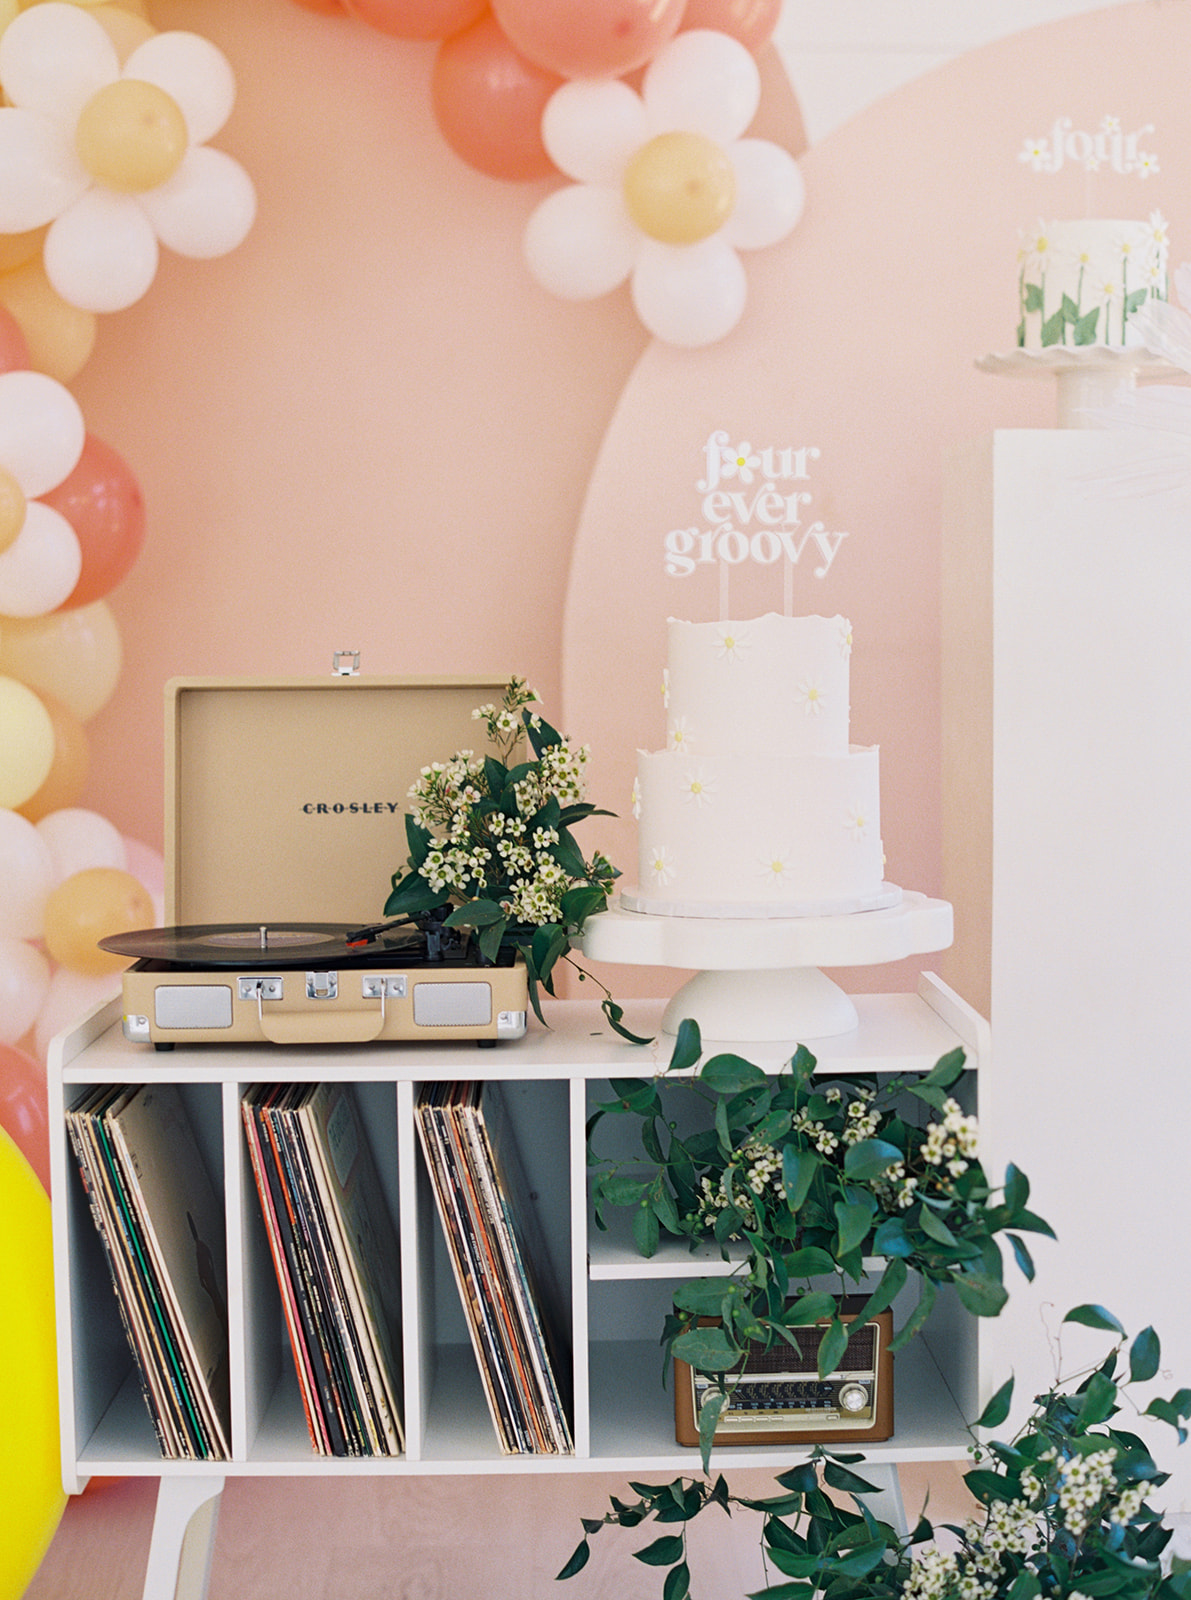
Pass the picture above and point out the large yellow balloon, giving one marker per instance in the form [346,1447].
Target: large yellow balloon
[89,906]
[26,743]
[680,187]
[30,1471]
[73,656]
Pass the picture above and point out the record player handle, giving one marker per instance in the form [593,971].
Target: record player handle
[321,1027]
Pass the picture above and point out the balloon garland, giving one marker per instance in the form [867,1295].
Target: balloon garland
[104,152]
[666,189]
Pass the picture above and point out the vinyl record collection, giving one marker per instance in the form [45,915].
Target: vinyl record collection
[335,1254]
[500,1265]
[161,1224]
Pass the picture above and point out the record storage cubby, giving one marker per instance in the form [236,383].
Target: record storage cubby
[615,1300]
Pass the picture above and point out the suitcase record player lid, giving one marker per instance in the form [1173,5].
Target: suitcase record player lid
[285,799]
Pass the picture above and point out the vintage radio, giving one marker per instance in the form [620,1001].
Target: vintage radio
[284,821]
[778,1397]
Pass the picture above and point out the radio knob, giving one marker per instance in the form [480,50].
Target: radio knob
[853,1397]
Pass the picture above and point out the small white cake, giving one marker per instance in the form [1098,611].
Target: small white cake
[758,806]
[1079,283]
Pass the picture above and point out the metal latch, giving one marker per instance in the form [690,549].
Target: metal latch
[351,657]
[258,989]
[322,986]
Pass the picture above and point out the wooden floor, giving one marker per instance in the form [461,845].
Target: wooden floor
[418,1539]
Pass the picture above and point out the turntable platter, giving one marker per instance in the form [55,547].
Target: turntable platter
[278,944]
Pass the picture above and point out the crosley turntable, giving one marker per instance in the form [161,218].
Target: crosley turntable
[285,803]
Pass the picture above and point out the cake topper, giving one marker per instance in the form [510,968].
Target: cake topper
[751,504]
[1110,147]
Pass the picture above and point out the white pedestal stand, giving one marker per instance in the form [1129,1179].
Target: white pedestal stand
[1086,377]
[759,977]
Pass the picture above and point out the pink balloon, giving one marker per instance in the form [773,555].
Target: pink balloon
[23,1114]
[589,38]
[146,866]
[750,21]
[14,348]
[488,103]
[417,19]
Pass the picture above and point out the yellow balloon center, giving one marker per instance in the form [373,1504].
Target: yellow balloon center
[131,136]
[12,508]
[680,188]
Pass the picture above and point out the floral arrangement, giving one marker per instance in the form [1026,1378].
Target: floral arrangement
[490,844]
[819,1180]
[1062,1510]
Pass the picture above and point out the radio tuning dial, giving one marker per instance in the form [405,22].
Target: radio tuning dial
[853,1397]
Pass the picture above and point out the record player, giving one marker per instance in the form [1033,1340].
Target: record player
[284,821]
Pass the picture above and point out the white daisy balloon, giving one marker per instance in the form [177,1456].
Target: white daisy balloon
[667,190]
[114,158]
[41,440]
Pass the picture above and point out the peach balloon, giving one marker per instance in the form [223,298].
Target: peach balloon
[124,27]
[102,501]
[89,906]
[59,336]
[488,102]
[14,347]
[417,19]
[327,8]
[589,38]
[26,743]
[75,656]
[67,776]
[750,21]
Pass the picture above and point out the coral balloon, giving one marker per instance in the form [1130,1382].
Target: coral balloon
[90,906]
[23,1109]
[24,982]
[750,21]
[417,19]
[67,777]
[326,8]
[14,347]
[60,336]
[589,38]
[26,743]
[75,656]
[26,877]
[488,102]
[30,1470]
[102,502]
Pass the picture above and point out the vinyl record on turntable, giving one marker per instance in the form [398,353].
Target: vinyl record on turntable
[235,944]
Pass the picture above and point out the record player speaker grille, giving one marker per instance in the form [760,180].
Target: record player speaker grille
[452,1005]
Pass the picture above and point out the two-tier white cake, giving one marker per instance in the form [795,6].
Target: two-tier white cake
[758,806]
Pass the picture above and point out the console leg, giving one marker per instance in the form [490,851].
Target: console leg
[183,1541]
[886,1505]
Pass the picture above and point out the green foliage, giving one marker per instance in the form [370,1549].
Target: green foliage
[491,837]
[818,1179]
[1062,1510]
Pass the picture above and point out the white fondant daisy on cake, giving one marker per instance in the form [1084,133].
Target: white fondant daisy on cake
[661,867]
[635,799]
[680,736]
[698,789]
[812,698]
[730,642]
[857,822]
[775,867]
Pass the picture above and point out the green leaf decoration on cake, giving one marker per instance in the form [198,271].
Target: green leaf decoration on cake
[1069,309]
[1054,328]
[1084,331]
[1033,297]
[1136,299]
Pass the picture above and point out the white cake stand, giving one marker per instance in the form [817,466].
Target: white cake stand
[758,978]
[1086,376]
